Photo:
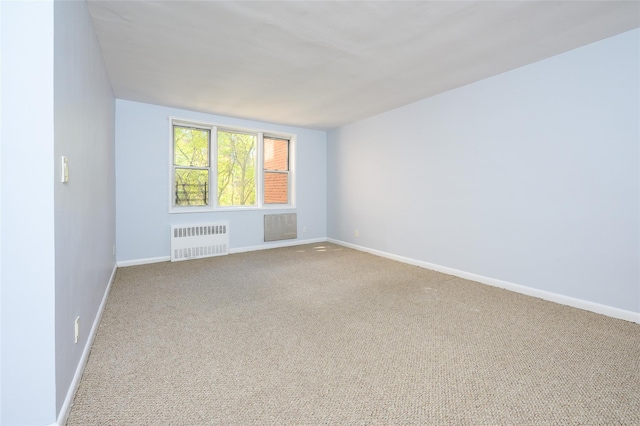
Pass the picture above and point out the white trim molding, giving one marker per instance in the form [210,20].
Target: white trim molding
[71,393]
[278,245]
[289,243]
[134,262]
[597,308]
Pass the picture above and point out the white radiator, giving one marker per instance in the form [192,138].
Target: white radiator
[196,241]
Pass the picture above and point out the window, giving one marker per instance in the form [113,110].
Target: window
[236,168]
[276,171]
[248,169]
[191,147]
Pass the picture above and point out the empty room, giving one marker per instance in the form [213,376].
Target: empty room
[319,212]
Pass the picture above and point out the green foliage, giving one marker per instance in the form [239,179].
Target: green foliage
[192,187]
[191,147]
[236,169]
[191,151]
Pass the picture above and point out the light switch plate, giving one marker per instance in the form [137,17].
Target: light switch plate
[64,178]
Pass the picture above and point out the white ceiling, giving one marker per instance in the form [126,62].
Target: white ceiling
[322,64]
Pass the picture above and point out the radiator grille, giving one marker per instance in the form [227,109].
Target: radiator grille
[197,241]
[280,226]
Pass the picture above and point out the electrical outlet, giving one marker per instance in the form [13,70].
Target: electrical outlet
[357,233]
[304,229]
[113,250]
[77,329]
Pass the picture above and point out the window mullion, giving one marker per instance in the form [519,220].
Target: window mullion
[213,165]
[260,171]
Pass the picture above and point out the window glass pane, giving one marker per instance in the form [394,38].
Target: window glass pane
[236,169]
[191,187]
[190,147]
[276,188]
[276,154]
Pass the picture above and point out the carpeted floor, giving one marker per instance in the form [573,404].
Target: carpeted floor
[321,334]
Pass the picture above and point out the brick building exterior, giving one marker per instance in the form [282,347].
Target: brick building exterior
[276,171]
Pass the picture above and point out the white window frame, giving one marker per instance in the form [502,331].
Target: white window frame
[213,166]
[284,172]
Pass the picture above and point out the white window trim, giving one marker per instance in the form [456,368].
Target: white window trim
[213,163]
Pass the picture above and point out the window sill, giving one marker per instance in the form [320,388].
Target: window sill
[178,210]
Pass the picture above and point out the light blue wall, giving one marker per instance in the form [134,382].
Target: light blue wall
[530,177]
[142,183]
[56,239]
[85,206]
[27,373]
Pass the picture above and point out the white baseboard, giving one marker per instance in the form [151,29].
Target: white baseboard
[66,406]
[285,243]
[135,262]
[279,244]
[598,308]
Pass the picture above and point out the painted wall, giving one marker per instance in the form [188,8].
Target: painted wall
[142,183]
[56,239]
[27,373]
[85,206]
[531,177]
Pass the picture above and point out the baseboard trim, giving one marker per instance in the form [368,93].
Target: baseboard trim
[280,244]
[66,406]
[135,262]
[597,308]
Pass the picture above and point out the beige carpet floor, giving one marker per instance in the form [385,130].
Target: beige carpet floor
[321,334]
